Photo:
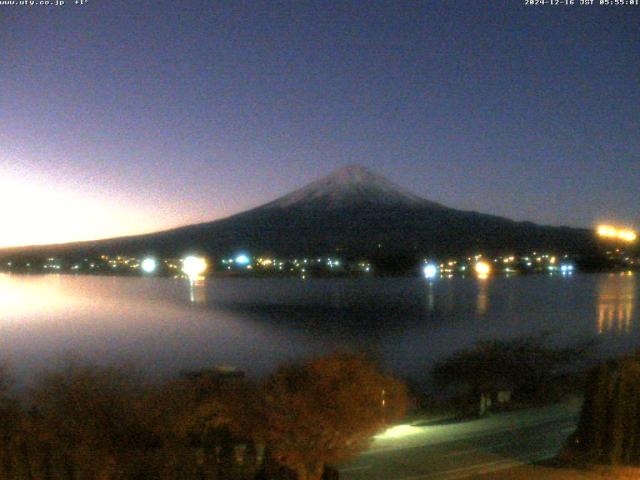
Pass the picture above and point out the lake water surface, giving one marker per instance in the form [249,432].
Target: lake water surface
[163,326]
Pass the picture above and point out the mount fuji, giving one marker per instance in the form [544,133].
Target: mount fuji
[352,212]
[349,187]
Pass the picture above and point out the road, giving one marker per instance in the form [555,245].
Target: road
[457,450]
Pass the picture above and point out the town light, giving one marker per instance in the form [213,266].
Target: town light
[566,268]
[483,269]
[430,271]
[194,266]
[627,235]
[611,232]
[242,259]
[149,265]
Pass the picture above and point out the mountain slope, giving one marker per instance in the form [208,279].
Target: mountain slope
[353,212]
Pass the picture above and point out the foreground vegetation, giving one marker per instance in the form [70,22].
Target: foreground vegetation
[606,443]
[102,423]
[510,373]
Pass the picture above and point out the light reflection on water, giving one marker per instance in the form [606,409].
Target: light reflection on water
[616,302]
[166,325]
[23,298]
[482,302]
[198,290]
[431,303]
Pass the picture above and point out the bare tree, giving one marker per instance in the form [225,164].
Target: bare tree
[326,411]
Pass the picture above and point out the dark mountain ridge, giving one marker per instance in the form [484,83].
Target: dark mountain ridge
[352,212]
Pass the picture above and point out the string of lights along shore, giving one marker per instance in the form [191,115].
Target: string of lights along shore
[196,267]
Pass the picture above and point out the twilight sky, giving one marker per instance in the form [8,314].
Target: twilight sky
[122,117]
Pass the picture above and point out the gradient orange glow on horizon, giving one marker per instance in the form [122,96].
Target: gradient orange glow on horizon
[37,210]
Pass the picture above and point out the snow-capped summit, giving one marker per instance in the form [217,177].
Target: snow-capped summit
[350,186]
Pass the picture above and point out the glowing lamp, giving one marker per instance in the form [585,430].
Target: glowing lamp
[566,268]
[149,265]
[483,269]
[609,231]
[194,266]
[399,431]
[242,259]
[430,271]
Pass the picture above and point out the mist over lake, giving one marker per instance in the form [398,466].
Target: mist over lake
[163,326]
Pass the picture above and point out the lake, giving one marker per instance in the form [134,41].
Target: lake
[163,326]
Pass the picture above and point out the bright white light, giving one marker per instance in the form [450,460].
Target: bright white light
[194,266]
[242,259]
[483,269]
[399,431]
[430,271]
[608,231]
[566,268]
[149,265]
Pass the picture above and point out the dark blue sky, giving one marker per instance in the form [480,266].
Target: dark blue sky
[128,116]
